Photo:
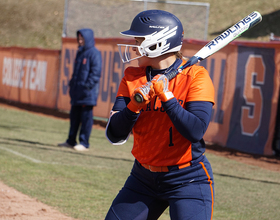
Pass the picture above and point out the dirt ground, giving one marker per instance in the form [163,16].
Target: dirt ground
[17,206]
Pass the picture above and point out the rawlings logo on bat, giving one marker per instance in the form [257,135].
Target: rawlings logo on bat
[236,29]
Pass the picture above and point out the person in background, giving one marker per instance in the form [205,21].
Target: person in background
[168,124]
[84,89]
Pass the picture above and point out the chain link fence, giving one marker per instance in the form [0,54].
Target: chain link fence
[109,17]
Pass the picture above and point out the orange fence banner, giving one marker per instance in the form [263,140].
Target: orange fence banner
[29,76]
[245,76]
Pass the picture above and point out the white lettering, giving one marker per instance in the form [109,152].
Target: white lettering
[7,69]
[28,65]
[16,71]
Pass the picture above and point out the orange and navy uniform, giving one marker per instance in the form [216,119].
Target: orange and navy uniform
[160,138]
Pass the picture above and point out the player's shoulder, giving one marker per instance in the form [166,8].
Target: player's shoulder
[195,70]
[134,72]
[198,68]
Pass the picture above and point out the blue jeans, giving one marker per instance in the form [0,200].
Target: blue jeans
[81,117]
[189,193]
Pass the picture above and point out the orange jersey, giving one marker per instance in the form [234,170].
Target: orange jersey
[156,140]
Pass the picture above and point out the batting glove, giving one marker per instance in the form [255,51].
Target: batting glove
[160,87]
[136,105]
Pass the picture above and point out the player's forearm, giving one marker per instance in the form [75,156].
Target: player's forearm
[191,123]
[121,123]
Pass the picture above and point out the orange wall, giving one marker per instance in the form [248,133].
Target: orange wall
[245,76]
[29,75]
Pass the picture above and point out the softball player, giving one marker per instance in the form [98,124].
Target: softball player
[170,167]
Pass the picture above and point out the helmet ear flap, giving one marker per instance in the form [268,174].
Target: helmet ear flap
[154,47]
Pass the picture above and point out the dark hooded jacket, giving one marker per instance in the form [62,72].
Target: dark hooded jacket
[84,84]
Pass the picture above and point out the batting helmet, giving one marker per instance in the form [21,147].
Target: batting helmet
[161,30]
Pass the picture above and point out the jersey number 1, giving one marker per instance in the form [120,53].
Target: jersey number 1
[170,137]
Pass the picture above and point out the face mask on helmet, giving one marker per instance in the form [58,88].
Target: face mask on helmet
[162,33]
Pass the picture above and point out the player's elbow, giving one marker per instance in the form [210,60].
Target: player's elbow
[195,137]
[195,133]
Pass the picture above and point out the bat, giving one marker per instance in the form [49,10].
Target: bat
[211,47]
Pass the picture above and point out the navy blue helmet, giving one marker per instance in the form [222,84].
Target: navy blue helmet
[162,32]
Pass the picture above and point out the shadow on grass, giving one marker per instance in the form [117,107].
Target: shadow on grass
[10,127]
[21,142]
[270,24]
[226,151]
[244,178]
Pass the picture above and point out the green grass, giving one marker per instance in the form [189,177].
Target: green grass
[83,185]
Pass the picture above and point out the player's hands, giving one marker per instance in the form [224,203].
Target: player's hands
[160,88]
[135,106]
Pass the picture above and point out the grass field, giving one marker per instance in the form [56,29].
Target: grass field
[82,185]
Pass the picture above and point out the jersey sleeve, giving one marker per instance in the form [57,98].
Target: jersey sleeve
[133,77]
[122,119]
[123,89]
[201,87]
